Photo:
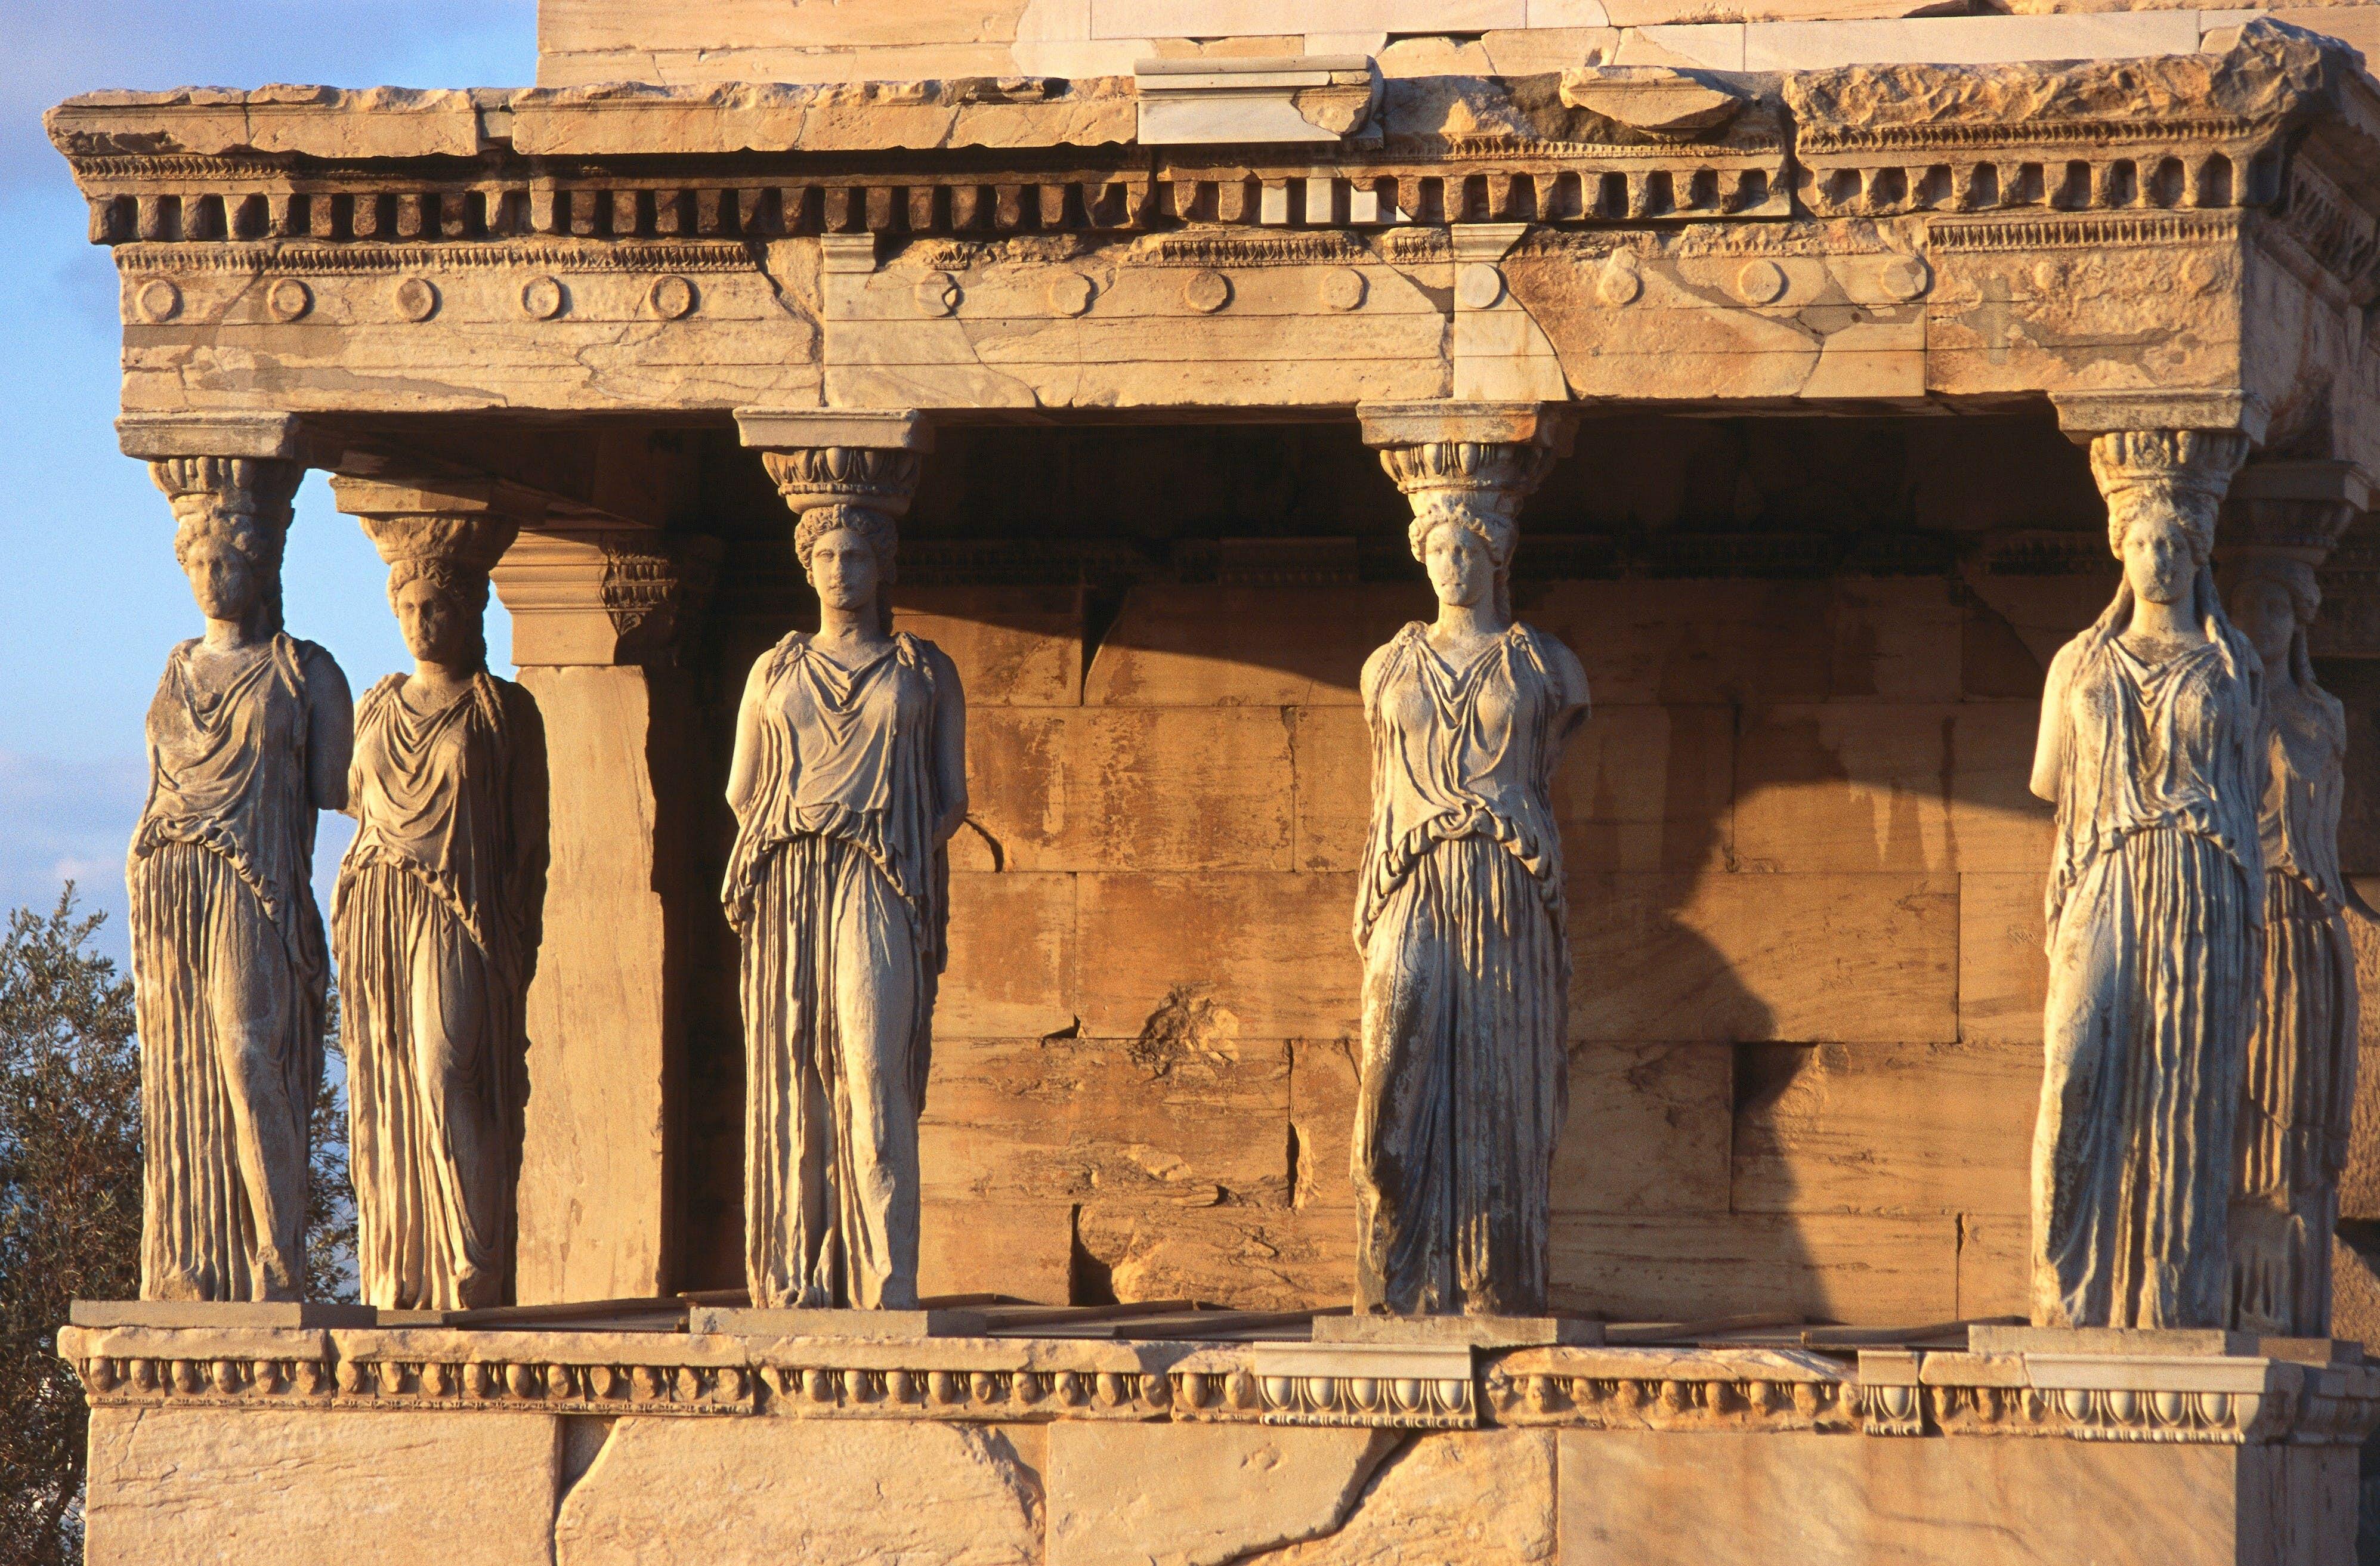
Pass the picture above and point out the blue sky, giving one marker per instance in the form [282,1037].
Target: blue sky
[90,598]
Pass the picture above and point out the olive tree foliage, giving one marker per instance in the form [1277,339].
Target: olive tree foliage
[70,1204]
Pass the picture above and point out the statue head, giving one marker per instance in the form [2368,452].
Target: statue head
[438,568]
[847,554]
[2164,487]
[231,516]
[2272,599]
[1467,549]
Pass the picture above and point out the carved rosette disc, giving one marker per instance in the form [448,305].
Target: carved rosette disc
[417,299]
[671,297]
[544,299]
[290,299]
[158,301]
[1206,291]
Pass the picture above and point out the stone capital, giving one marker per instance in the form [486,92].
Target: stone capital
[1388,425]
[155,437]
[2085,416]
[605,596]
[2295,509]
[1484,456]
[461,523]
[867,457]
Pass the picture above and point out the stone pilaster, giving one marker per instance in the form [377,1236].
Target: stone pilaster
[600,617]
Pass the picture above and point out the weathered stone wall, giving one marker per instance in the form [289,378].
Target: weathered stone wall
[592,41]
[301,1488]
[1805,869]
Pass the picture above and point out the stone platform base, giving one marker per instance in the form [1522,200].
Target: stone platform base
[589,1448]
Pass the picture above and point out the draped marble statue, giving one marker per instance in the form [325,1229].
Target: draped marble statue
[248,738]
[2299,1087]
[849,778]
[1459,915]
[435,926]
[2151,747]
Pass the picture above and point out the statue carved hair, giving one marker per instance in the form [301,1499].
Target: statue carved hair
[237,501]
[453,554]
[1475,485]
[1494,530]
[2294,577]
[2176,477]
[875,528]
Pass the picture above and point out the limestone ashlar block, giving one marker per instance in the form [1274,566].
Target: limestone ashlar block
[1826,45]
[1816,1265]
[1249,1256]
[1010,1246]
[1835,958]
[1139,340]
[585,26]
[1483,1498]
[1012,956]
[1133,789]
[2000,317]
[1874,786]
[1930,1128]
[1755,642]
[744,341]
[1228,955]
[2003,968]
[283,1488]
[1228,1491]
[1995,1266]
[1176,646]
[1014,647]
[1715,326]
[1640,788]
[1647,1131]
[663,1490]
[1224,18]
[1170,1118]
[1733,1499]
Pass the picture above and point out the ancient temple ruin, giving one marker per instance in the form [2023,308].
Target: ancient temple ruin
[1805,348]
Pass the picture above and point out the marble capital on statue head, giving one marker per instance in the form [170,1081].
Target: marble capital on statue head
[1468,465]
[2163,457]
[866,458]
[233,477]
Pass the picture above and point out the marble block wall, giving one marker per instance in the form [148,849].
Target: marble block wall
[1805,883]
[581,41]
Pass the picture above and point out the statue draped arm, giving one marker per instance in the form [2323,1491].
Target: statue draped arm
[950,745]
[2050,752]
[330,730]
[744,772]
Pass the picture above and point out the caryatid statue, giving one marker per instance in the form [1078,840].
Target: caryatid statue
[247,739]
[2151,745]
[2299,1084]
[849,778]
[1460,911]
[435,921]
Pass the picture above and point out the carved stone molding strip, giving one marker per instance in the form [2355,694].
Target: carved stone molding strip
[2209,1400]
[371,259]
[2083,233]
